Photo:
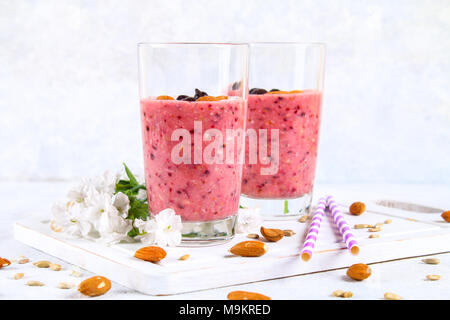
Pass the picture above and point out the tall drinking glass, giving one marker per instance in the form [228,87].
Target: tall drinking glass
[193,128]
[284,110]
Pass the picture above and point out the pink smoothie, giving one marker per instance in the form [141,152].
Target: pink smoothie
[297,116]
[197,192]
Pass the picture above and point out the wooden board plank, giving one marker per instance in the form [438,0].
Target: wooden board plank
[212,267]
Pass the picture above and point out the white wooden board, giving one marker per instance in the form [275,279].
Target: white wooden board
[212,267]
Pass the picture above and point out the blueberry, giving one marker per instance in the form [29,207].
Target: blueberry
[258,91]
[182,97]
[199,94]
[189,99]
[274,90]
[236,85]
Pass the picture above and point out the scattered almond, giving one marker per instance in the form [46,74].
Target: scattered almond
[392,296]
[372,236]
[288,233]
[35,284]
[55,267]
[253,236]
[23,261]
[272,235]
[431,261]
[374,229]
[361,226]
[446,216]
[245,295]
[249,249]
[42,264]
[164,98]
[18,276]
[185,257]
[4,262]
[388,221]
[379,225]
[357,208]
[65,285]
[433,277]
[95,286]
[152,254]
[359,271]
[303,218]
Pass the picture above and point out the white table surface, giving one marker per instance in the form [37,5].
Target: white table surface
[405,277]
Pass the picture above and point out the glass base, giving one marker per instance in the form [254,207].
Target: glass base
[277,209]
[208,233]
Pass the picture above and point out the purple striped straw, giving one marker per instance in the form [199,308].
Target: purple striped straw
[342,225]
[313,232]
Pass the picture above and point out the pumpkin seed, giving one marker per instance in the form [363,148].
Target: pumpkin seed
[431,261]
[392,296]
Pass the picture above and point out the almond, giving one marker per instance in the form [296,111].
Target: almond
[4,262]
[359,271]
[164,98]
[357,208]
[95,286]
[253,236]
[185,257]
[245,295]
[249,249]
[55,267]
[272,235]
[446,216]
[152,254]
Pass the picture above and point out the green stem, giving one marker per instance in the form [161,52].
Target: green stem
[286,208]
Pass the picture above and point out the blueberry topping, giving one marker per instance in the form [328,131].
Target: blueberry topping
[236,85]
[182,97]
[199,94]
[274,90]
[258,91]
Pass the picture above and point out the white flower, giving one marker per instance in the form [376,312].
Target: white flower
[249,220]
[122,203]
[67,218]
[142,195]
[106,183]
[112,227]
[164,229]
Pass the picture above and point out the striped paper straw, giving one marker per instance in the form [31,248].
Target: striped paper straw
[313,232]
[342,225]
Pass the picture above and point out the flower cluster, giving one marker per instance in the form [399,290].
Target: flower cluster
[111,209]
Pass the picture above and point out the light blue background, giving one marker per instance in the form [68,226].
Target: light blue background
[68,80]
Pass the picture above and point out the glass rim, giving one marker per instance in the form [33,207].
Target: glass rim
[246,44]
[311,43]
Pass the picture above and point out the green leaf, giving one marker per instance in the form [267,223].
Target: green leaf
[130,176]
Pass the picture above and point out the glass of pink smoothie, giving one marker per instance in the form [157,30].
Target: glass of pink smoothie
[193,133]
[283,121]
